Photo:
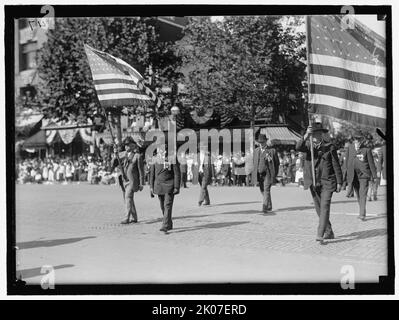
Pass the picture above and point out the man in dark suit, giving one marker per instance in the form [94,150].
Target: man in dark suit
[183,170]
[206,172]
[328,176]
[360,170]
[133,172]
[266,165]
[165,182]
[118,149]
[225,170]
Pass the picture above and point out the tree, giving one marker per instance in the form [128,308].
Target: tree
[244,66]
[66,90]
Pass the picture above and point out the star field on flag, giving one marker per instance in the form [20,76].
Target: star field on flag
[347,71]
[115,80]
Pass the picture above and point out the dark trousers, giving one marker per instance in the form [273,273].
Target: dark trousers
[183,180]
[265,185]
[349,192]
[122,185]
[373,188]
[130,208]
[292,174]
[361,187]
[248,179]
[240,180]
[166,202]
[322,203]
[227,181]
[204,194]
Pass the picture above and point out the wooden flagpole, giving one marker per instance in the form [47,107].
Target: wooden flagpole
[307,22]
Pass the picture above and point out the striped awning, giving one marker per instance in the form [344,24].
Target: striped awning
[37,141]
[280,135]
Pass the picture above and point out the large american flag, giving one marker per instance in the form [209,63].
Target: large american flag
[116,82]
[346,70]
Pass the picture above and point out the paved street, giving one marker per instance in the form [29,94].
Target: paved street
[75,229]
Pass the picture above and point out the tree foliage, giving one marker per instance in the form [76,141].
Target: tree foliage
[241,63]
[66,89]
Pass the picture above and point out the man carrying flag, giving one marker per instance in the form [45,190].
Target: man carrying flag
[327,176]
[346,81]
[118,85]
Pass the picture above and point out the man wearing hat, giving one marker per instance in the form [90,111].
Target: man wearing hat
[266,165]
[206,172]
[361,170]
[132,166]
[328,176]
[165,182]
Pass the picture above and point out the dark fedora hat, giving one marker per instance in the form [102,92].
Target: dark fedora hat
[262,138]
[358,136]
[318,126]
[129,140]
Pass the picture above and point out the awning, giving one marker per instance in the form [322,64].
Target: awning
[27,120]
[280,135]
[37,141]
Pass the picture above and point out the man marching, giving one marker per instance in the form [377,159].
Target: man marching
[206,172]
[328,176]
[360,171]
[133,172]
[165,182]
[266,165]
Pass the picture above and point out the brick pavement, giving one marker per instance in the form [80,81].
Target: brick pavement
[52,219]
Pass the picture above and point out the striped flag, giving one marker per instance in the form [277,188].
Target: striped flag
[347,73]
[117,83]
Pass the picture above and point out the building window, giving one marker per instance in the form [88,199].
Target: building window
[28,57]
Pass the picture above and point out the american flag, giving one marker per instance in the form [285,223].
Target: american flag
[347,74]
[116,82]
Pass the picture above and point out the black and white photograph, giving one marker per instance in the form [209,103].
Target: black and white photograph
[199,149]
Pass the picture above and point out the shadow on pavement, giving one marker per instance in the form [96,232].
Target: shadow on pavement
[299,208]
[49,243]
[379,216]
[34,272]
[210,226]
[234,203]
[177,218]
[360,235]
[271,213]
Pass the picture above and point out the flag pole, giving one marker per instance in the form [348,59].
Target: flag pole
[308,76]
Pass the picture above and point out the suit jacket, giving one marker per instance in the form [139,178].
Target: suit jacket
[164,180]
[208,169]
[183,167]
[382,161]
[133,167]
[272,166]
[225,169]
[328,171]
[364,161]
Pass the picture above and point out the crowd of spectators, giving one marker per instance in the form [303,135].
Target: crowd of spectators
[50,170]
[234,170]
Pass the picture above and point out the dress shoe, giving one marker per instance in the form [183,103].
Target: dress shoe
[375,198]
[200,203]
[133,221]
[320,240]
[207,203]
[329,235]
[163,229]
[126,221]
[361,218]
